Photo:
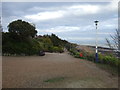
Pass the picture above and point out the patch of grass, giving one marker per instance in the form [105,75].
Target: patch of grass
[111,69]
[57,79]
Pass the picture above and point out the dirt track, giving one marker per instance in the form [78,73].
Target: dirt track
[34,71]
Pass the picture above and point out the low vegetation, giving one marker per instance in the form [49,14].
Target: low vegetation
[57,79]
[107,60]
[22,39]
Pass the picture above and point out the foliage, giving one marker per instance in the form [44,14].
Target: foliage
[55,40]
[90,57]
[85,55]
[109,59]
[21,40]
[57,49]
[21,30]
[115,42]
[48,44]
[21,48]
[104,59]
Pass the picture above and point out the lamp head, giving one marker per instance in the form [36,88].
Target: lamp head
[96,22]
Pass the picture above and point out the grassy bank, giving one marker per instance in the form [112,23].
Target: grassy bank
[107,62]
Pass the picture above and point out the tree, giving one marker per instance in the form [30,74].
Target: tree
[21,30]
[56,40]
[115,44]
[20,39]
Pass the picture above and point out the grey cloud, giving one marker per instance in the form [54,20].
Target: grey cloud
[13,11]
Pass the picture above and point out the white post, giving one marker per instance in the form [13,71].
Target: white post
[96,53]
[96,40]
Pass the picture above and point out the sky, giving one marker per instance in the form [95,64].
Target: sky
[71,21]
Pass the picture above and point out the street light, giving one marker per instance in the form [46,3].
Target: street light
[96,53]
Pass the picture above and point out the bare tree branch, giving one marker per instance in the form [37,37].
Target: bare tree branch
[116,41]
[108,43]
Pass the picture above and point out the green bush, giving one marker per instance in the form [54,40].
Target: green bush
[104,59]
[90,57]
[77,55]
[109,59]
[56,49]
[21,48]
[73,51]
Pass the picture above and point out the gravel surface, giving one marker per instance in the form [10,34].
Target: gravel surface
[0,72]
[54,70]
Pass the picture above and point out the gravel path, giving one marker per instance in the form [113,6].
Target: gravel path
[54,70]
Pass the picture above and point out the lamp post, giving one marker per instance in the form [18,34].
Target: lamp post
[96,53]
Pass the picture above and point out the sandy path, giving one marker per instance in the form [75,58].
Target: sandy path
[0,72]
[33,71]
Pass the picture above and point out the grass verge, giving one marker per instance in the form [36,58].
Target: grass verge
[57,79]
[111,69]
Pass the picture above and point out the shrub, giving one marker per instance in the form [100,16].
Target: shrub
[85,55]
[77,55]
[90,57]
[56,49]
[105,59]
[109,59]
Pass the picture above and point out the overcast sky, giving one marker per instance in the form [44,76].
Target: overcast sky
[70,21]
